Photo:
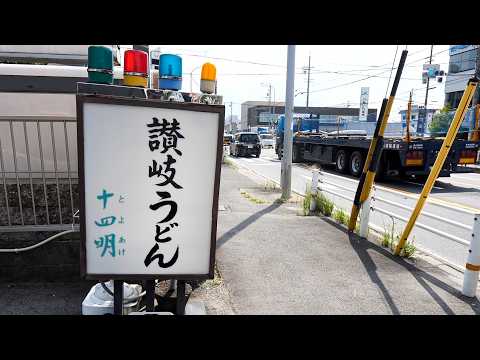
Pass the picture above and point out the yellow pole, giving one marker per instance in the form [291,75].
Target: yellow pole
[442,155]
[375,149]
[476,130]
[409,114]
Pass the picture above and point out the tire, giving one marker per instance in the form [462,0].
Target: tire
[257,155]
[279,154]
[341,162]
[357,161]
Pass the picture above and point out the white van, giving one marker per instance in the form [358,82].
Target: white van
[267,140]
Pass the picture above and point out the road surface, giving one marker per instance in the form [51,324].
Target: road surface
[446,220]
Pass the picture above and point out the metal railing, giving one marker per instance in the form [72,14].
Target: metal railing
[38,174]
[397,216]
[473,243]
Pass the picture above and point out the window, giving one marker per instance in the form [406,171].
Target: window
[249,138]
[453,98]
[462,62]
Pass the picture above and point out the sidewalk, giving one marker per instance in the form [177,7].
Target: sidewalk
[274,261]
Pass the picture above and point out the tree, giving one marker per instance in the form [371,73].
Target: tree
[441,121]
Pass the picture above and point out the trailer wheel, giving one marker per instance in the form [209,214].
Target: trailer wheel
[341,162]
[356,163]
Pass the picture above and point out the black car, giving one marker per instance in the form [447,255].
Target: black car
[245,144]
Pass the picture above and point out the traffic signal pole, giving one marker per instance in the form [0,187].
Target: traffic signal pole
[286,171]
[442,155]
[375,149]
[409,114]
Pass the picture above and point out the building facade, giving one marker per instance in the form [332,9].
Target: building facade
[414,118]
[264,113]
[461,68]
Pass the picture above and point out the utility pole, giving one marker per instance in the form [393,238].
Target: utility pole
[308,80]
[270,103]
[231,116]
[424,120]
[286,172]
[409,114]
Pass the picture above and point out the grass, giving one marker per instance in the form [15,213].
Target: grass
[270,186]
[390,240]
[341,216]
[307,200]
[252,198]
[324,205]
[212,283]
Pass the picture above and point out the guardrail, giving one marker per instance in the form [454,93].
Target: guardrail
[38,174]
[471,273]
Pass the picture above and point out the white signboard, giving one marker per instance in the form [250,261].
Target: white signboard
[363,104]
[149,193]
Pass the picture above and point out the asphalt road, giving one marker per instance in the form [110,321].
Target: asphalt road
[452,204]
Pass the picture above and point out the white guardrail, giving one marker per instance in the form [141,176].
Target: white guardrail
[471,272]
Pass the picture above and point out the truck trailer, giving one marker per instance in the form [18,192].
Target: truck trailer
[348,149]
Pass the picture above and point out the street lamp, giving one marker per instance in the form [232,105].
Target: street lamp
[272,111]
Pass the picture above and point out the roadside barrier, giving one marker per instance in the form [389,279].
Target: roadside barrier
[472,268]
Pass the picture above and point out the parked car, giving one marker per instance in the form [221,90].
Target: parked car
[267,140]
[245,144]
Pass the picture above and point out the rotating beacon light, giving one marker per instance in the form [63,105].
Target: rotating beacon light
[208,79]
[135,69]
[100,64]
[170,72]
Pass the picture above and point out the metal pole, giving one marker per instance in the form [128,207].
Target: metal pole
[286,172]
[442,155]
[470,277]
[231,115]
[424,121]
[308,81]
[191,81]
[314,190]
[375,149]
[271,127]
[365,217]
[409,114]
[150,295]
[117,297]
[181,300]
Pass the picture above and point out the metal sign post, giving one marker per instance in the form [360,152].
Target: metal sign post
[442,155]
[375,149]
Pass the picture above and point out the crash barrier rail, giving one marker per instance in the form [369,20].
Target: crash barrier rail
[38,174]
[471,271]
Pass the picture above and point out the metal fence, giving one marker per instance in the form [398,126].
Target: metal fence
[38,174]
[455,227]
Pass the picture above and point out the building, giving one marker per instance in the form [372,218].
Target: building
[264,113]
[461,68]
[414,117]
